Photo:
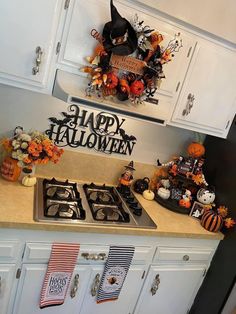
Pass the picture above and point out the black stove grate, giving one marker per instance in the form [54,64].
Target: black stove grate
[62,200]
[105,204]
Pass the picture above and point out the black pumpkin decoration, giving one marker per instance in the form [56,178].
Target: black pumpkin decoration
[141,185]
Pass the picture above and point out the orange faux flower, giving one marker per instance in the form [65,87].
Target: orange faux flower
[27,160]
[35,149]
[223,211]
[229,222]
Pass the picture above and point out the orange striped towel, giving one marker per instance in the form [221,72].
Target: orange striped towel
[60,269]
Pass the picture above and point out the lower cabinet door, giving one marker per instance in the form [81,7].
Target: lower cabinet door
[169,290]
[31,281]
[127,298]
[7,275]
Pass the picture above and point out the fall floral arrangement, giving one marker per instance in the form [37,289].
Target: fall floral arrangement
[32,148]
[128,61]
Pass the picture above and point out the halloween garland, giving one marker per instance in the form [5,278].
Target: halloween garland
[128,61]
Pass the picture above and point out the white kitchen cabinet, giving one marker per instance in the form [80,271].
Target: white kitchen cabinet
[30,285]
[7,276]
[24,26]
[169,289]
[10,254]
[207,102]
[127,298]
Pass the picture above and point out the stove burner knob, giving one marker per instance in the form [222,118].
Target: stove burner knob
[133,204]
[130,200]
[137,211]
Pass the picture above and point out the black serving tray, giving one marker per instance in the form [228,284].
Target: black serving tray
[172,205]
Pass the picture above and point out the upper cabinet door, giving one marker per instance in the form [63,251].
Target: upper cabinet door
[77,42]
[24,26]
[207,100]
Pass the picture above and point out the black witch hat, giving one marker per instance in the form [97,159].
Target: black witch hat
[119,36]
[130,166]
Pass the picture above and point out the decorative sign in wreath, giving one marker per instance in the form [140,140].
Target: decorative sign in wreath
[128,61]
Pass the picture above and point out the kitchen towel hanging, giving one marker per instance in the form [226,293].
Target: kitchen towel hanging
[115,272]
[60,269]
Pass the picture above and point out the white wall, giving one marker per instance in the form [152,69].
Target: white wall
[32,110]
[215,16]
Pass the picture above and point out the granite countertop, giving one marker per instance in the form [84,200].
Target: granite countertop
[16,211]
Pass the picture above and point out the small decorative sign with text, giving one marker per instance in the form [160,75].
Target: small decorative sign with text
[103,132]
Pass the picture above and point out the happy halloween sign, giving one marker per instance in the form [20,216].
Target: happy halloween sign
[103,132]
[127,63]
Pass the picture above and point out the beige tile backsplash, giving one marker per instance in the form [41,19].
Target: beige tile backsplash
[91,168]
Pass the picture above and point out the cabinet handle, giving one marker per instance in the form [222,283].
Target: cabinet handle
[189,105]
[189,51]
[155,284]
[186,258]
[75,286]
[177,87]
[38,60]
[95,285]
[94,257]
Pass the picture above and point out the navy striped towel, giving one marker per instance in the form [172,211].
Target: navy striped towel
[115,272]
[60,269]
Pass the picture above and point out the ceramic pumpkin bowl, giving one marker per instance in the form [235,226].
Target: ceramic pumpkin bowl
[211,221]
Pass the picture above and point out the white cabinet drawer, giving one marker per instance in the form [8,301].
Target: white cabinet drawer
[182,254]
[9,251]
[40,253]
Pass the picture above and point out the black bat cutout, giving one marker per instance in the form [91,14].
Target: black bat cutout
[127,137]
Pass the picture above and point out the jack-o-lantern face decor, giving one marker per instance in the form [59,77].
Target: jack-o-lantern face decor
[196,150]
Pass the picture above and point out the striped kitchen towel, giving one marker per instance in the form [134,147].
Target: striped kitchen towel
[60,269]
[115,272]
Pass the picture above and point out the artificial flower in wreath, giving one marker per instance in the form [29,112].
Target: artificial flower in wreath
[141,45]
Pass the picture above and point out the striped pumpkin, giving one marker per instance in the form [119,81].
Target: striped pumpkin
[211,221]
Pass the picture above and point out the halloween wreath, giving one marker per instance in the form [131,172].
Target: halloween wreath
[128,61]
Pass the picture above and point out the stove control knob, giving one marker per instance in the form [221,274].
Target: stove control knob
[137,212]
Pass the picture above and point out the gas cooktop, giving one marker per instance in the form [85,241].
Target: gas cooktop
[73,203]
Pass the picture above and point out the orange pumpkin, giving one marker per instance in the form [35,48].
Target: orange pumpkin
[10,170]
[137,88]
[185,202]
[112,80]
[196,150]
[212,221]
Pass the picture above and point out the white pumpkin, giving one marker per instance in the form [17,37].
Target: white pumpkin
[148,195]
[163,193]
[205,196]
[29,180]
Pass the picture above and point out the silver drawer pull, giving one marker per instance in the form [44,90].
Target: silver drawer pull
[94,257]
[189,105]
[186,258]
[155,285]
[95,285]
[75,286]
[38,60]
